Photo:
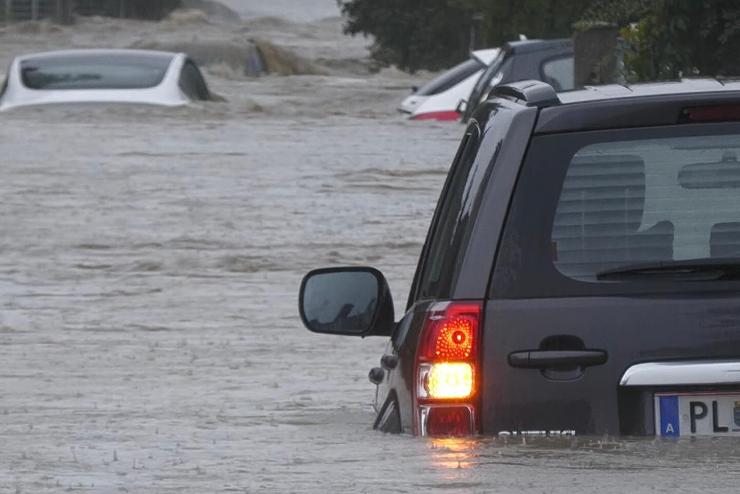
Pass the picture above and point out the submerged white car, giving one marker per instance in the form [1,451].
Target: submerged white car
[438,98]
[103,76]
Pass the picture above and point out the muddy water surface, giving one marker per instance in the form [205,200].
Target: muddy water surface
[149,263]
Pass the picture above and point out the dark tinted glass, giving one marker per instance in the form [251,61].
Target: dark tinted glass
[343,301]
[452,222]
[660,202]
[450,78]
[192,82]
[95,71]
[587,203]
[559,73]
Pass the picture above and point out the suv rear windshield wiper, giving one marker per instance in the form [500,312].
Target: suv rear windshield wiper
[689,269]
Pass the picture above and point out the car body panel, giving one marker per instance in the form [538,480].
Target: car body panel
[398,384]
[613,107]
[447,100]
[166,93]
[443,106]
[520,60]
[631,329]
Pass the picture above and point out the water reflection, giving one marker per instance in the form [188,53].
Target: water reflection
[454,452]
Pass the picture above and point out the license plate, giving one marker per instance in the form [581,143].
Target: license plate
[697,414]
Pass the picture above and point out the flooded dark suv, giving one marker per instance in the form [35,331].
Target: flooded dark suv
[581,274]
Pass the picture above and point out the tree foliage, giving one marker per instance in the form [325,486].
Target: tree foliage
[505,20]
[666,38]
[684,38]
[434,34]
[411,34]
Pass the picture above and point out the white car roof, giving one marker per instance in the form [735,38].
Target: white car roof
[166,93]
[95,51]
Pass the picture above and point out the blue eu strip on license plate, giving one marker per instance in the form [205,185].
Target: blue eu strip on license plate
[670,424]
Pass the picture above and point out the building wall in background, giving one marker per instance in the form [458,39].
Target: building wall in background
[64,10]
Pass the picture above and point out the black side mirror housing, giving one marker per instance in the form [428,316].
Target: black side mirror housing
[352,301]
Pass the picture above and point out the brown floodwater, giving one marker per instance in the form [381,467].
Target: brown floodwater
[149,266]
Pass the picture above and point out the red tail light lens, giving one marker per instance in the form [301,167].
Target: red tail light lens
[717,113]
[443,420]
[450,333]
[447,368]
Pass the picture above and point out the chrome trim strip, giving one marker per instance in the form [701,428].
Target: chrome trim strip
[682,373]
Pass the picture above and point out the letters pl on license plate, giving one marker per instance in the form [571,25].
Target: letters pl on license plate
[697,414]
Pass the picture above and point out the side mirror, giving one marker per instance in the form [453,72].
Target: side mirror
[347,301]
[462,105]
[414,89]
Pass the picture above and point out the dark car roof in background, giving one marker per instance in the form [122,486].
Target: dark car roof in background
[531,45]
[639,105]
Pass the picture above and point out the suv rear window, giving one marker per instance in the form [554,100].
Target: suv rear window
[94,71]
[601,201]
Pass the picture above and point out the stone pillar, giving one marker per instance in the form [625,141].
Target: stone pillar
[595,46]
[65,11]
[8,11]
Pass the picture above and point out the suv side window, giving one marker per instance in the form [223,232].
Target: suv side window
[559,73]
[442,254]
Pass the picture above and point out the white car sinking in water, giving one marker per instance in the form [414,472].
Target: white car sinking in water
[438,98]
[103,76]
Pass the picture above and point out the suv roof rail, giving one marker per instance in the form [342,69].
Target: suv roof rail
[530,93]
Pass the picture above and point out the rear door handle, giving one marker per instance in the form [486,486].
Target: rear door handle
[544,359]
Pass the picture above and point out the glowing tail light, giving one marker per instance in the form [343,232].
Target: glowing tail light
[446,380]
[446,369]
